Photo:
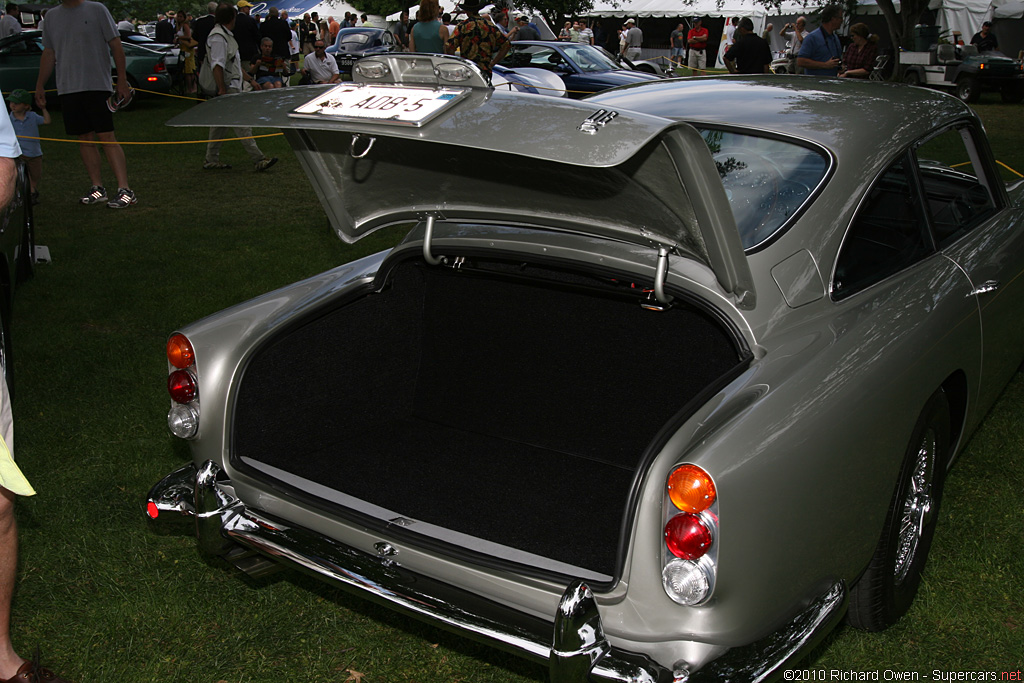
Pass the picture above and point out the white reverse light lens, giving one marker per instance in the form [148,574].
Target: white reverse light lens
[372,69]
[453,73]
[685,582]
[183,420]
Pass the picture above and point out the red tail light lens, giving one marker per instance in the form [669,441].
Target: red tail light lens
[160,67]
[691,489]
[182,386]
[687,536]
[179,351]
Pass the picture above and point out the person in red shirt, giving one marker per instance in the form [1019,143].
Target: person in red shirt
[697,41]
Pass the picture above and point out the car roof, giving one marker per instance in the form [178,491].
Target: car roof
[842,115]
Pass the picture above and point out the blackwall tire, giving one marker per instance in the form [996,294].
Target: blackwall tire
[887,588]
[967,90]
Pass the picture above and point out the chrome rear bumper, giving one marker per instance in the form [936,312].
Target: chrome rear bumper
[573,646]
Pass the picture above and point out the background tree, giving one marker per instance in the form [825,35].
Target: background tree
[555,11]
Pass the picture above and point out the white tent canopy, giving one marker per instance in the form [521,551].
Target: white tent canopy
[698,8]
[1014,9]
[337,9]
[965,16]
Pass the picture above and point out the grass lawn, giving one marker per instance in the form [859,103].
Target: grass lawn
[109,600]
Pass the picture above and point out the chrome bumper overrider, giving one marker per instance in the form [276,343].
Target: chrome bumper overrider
[573,645]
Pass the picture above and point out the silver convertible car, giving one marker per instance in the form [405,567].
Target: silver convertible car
[660,396]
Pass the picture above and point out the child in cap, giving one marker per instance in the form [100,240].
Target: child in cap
[26,127]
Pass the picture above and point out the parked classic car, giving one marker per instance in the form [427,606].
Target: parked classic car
[19,65]
[584,69]
[170,52]
[659,396]
[358,42]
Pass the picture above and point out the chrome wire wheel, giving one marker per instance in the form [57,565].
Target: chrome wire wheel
[918,506]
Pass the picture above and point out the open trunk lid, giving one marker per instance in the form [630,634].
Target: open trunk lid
[489,156]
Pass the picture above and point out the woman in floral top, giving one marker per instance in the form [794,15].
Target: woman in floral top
[478,39]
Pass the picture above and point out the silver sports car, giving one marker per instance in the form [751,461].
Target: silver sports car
[660,385]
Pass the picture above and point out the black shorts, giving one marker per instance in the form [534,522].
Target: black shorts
[86,112]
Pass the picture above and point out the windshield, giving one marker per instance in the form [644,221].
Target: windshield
[587,58]
[767,180]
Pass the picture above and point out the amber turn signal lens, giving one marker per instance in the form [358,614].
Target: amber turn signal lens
[179,351]
[690,488]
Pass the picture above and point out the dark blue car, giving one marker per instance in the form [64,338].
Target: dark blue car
[584,69]
[358,42]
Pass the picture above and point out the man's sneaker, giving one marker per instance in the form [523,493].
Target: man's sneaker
[96,195]
[124,199]
[265,163]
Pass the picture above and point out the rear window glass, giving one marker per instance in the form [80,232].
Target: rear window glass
[767,180]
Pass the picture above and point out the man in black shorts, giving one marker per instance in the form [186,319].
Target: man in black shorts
[79,36]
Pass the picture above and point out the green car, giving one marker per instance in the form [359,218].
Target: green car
[19,65]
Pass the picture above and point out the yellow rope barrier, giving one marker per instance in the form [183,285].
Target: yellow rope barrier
[253,137]
[167,94]
[968,163]
[1019,175]
[154,142]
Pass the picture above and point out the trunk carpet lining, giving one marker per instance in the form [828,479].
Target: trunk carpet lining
[503,410]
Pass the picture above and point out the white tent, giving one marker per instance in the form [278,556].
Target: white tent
[337,9]
[965,16]
[1007,10]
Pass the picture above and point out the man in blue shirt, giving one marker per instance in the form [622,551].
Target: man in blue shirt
[821,53]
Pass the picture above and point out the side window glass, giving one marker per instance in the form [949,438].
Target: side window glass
[955,191]
[888,234]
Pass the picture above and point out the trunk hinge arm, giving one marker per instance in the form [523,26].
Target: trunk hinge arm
[428,235]
[660,275]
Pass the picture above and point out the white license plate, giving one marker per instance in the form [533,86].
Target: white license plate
[396,104]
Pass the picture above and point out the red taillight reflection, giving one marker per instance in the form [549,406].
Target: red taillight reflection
[182,386]
[687,537]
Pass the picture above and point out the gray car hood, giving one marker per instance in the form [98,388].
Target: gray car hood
[510,158]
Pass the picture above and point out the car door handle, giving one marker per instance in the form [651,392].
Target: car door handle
[985,287]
